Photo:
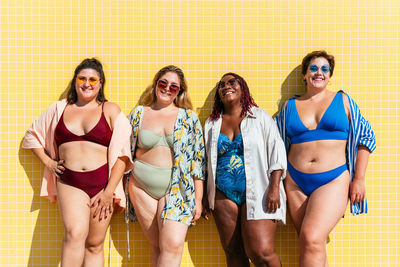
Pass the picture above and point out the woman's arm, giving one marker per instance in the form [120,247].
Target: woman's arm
[357,186]
[198,189]
[276,154]
[104,203]
[55,167]
[198,167]
[273,202]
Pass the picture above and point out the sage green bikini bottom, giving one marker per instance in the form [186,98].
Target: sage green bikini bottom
[156,181]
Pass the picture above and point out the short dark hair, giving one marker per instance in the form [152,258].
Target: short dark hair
[314,54]
[88,63]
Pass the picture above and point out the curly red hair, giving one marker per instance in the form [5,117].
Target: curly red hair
[246,100]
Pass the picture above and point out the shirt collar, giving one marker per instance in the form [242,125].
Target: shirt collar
[251,113]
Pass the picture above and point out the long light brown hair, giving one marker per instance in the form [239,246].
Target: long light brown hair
[182,100]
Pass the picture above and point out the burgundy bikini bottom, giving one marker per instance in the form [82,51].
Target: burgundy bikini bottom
[91,182]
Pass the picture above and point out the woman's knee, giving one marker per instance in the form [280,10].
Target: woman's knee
[261,254]
[76,233]
[95,248]
[171,245]
[312,241]
[95,242]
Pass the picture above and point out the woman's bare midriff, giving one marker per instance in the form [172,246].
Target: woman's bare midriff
[160,156]
[317,156]
[83,155]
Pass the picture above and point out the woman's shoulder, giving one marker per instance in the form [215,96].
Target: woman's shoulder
[345,97]
[190,113]
[136,110]
[111,109]
[260,112]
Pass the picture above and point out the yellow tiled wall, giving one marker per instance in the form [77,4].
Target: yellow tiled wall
[264,41]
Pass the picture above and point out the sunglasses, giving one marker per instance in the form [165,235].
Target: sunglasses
[173,88]
[324,68]
[232,83]
[92,80]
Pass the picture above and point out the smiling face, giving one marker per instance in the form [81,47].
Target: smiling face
[167,88]
[229,90]
[87,85]
[317,79]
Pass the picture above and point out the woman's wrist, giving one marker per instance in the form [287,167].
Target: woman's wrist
[48,162]
[358,177]
[108,191]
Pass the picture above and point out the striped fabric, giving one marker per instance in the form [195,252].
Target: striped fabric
[360,134]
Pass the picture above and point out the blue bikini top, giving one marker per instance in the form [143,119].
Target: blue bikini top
[334,124]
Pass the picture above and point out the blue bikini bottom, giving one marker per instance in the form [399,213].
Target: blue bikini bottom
[308,182]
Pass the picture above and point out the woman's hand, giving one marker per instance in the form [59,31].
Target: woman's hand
[103,205]
[198,209]
[206,209]
[55,167]
[357,190]
[198,189]
[273,201]
[357,186]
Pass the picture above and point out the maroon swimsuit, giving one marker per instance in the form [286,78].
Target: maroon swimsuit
[91,182]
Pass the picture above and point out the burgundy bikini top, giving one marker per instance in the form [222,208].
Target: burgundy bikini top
[100,133]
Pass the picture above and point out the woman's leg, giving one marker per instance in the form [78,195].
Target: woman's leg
[172,239]
[227,218]
[297,202]
[166,239]
[94,247]
[325,207]
[146,211]
[75,212]
[259,240]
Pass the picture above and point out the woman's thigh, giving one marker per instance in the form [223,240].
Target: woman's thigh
[227,219]
[172,235]
[297,202]
[74,203]
[326,205]
[97,228]
[146,209]
[258,235]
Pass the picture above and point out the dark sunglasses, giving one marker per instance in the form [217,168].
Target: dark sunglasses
[231,82]
[324,68]
[173,88]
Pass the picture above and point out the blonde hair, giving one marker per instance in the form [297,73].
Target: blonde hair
[182,100]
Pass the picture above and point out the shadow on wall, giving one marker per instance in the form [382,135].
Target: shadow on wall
[49,231]
[140,252]
[205,110]
[291,86]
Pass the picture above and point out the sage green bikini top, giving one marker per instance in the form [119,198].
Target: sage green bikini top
[148,139]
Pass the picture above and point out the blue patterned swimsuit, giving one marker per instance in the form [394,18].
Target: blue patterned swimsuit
[231,177]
